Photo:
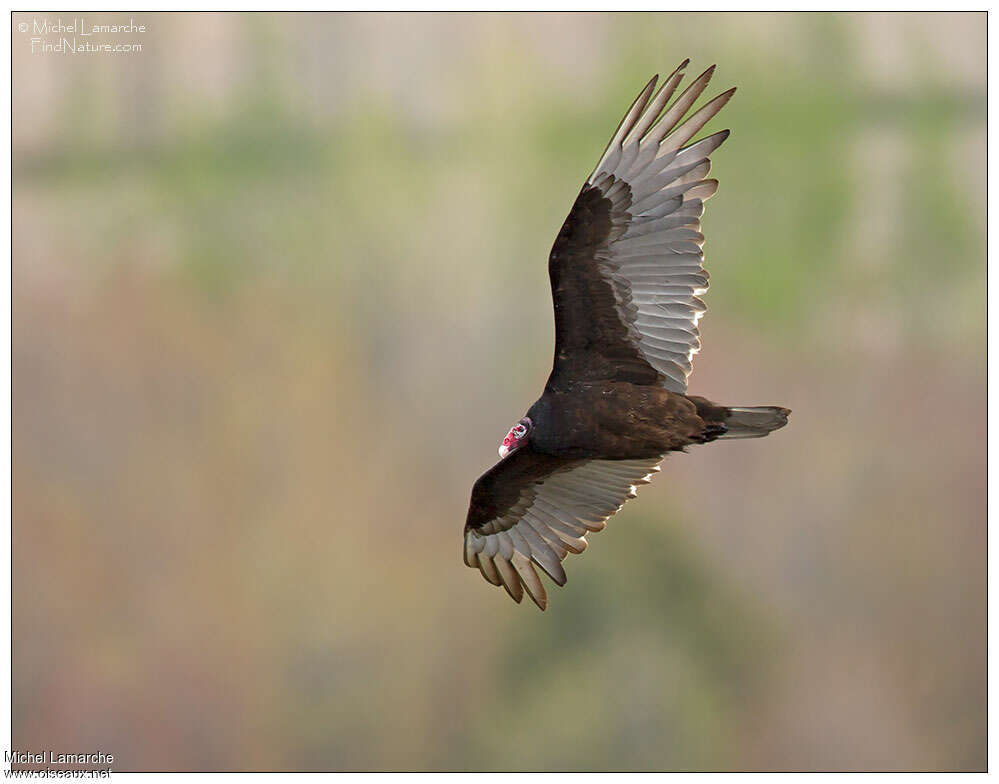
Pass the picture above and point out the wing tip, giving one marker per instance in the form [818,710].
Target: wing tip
[559,577]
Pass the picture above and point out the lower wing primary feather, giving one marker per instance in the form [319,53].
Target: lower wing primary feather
[533,510]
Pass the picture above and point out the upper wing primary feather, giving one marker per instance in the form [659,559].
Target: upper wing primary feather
[627,267]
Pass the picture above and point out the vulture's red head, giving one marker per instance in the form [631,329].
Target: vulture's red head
[516,438]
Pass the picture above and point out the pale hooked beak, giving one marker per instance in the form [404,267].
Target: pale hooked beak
[504,450]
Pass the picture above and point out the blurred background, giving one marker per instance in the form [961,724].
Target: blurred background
[280,289]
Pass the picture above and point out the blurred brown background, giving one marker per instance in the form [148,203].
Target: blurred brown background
[279,291]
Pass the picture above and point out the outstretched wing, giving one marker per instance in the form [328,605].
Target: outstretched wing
[626,268]
[534,509]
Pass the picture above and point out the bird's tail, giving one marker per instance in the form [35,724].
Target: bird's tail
[737,421]
[752,421]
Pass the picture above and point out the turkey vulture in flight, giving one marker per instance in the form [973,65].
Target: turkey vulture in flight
[626,271]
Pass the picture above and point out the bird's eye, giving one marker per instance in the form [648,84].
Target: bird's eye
[519,431]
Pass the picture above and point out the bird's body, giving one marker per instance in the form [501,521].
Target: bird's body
[614,420]
[626,274]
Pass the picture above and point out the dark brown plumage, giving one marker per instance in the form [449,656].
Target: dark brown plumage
[626,274]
